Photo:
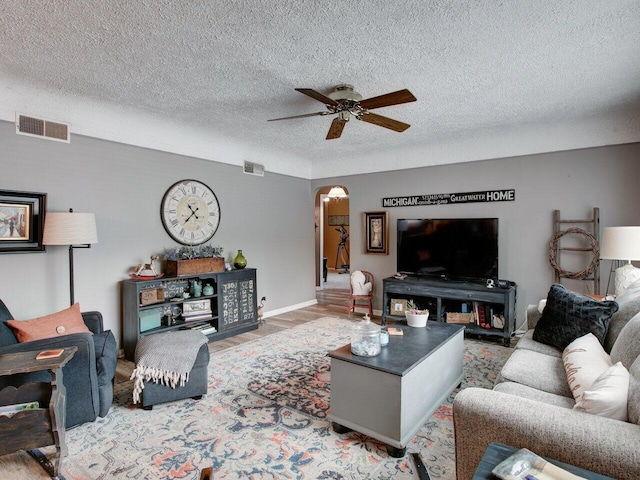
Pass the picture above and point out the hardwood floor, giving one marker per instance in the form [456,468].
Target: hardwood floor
[331,302]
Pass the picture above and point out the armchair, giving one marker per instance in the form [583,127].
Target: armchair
[89,375]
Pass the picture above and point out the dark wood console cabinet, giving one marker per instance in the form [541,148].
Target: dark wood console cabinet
[442,296]
[157,305]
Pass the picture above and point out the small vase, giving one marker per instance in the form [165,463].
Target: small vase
[239,262]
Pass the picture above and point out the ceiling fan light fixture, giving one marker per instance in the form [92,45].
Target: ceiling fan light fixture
[337,192]
[344,92]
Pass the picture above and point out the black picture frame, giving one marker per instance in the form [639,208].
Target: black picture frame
[376,232]
[22,221]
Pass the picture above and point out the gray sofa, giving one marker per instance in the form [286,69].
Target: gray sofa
[531,405]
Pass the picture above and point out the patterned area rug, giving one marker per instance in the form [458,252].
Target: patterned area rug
[264,417]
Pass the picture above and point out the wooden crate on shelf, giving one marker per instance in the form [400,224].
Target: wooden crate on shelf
[461,318]
[194,266]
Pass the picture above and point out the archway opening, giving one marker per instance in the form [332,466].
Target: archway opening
[332,237]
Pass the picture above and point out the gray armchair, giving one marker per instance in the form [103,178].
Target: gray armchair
[89,375]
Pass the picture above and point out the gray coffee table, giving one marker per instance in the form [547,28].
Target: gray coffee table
[390,396]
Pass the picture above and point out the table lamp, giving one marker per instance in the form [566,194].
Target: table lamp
[622,244]
[78,230]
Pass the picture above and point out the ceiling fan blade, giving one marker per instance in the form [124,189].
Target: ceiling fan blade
[385,122]
[394,98]
[300,116]
[335,130]
[318,96]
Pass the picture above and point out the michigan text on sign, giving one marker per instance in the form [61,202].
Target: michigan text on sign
[449,198]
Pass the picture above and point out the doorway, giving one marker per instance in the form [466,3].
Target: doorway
[332,238]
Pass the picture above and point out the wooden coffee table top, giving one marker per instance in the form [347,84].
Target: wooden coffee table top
[404,352]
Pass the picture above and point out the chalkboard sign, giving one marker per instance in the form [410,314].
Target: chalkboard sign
[238,301]
[247,295]
[230,304]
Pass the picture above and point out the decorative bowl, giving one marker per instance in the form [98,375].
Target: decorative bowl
[417,319]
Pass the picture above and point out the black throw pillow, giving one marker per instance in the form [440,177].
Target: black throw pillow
[569,315]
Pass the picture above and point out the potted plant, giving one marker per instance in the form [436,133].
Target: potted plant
[191,260]
[415,316]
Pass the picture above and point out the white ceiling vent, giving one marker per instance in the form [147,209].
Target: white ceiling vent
[253,168]
[39,127]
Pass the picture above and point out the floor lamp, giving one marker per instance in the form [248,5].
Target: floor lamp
[623,245]
[78,230]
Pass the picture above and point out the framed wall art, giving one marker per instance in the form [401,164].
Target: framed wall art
[376,232]
[338,220]
[21,221]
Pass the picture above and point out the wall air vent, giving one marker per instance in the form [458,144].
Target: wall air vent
[39,127]
[251,168]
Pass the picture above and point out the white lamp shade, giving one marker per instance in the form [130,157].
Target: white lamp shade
[621,243]
[69,228]
[337,192]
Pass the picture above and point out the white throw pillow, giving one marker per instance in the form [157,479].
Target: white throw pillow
[607,396]
[584,361]
[358,284]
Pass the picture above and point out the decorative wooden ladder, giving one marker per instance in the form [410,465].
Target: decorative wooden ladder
[592,232]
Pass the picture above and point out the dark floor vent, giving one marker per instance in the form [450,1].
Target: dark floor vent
[39,127]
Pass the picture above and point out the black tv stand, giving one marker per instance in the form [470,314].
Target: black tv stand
[447,295]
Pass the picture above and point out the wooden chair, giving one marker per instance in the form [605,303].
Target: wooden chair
[366,299]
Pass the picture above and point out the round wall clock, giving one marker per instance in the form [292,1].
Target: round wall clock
[190,212]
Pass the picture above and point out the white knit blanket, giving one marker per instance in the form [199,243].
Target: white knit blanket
[165,358]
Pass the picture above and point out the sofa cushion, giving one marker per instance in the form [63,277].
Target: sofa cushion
[64,322]
[536,370]
[584,361]
[633,400]
[627,347]
[607,396]
[628,309]
[523,391]
[527,341]
[106,359]
[569,315]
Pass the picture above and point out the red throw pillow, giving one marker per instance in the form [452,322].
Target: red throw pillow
[64,322]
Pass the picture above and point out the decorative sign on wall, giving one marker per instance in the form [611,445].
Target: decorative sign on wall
[450,198]
[337,220]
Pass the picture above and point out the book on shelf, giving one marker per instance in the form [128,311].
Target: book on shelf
[205,328]
[480,314]
[11,410]
[198,316]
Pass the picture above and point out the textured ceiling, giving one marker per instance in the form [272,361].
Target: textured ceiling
[493,79]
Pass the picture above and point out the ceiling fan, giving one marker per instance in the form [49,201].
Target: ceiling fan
[345,102]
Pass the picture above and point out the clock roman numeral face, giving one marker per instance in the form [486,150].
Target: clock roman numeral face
[190,212]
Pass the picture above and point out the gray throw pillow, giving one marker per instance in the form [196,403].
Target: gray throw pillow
[627,346]
[569,315]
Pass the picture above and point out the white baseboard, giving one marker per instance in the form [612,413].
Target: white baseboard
[280,311]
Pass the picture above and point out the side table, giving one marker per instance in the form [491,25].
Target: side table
[44,426]
[497,452]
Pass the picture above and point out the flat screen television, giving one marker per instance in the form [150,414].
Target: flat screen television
[456,248]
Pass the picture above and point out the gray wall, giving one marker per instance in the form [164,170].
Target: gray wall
[573,182]
[269,218]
